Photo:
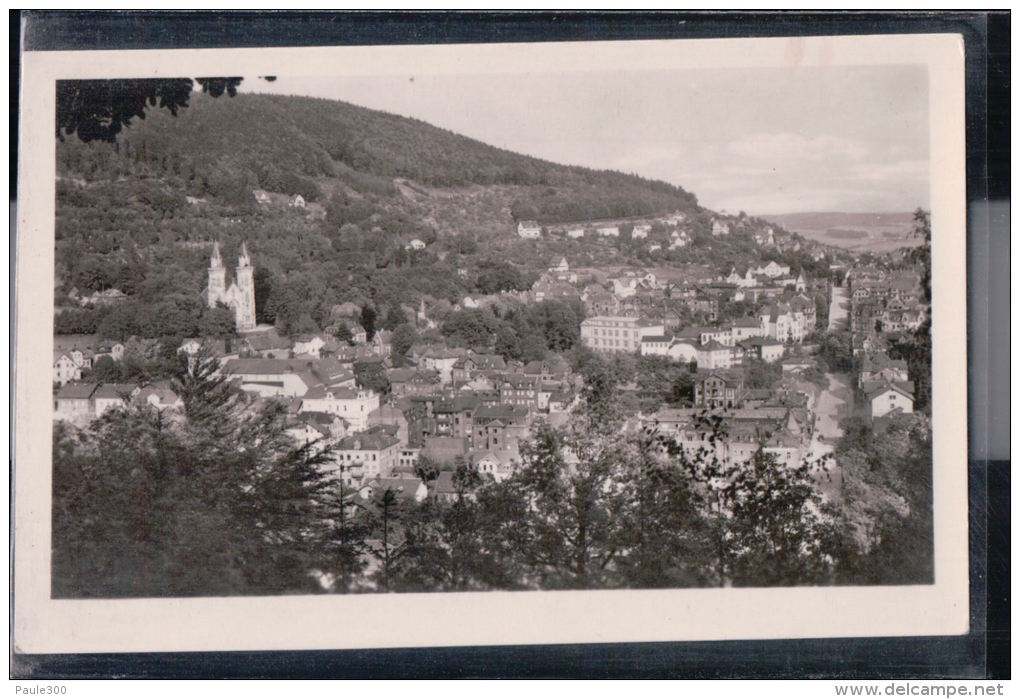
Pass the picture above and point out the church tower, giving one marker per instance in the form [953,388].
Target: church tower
[244,311]
[240,297]
[217,278]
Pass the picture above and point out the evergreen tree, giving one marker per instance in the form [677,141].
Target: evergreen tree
[217,500]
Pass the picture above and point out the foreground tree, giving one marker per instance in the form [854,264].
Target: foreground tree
[764,520]
[215,501]
[100,109]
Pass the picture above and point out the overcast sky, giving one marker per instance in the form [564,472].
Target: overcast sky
[769,140]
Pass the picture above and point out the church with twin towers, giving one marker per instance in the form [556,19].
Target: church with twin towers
[240,295]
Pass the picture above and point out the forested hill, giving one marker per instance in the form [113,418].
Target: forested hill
[271,141]
[139,215]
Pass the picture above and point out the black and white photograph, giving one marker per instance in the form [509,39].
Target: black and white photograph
[442,325]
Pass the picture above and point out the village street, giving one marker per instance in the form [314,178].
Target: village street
[838,309]
[830,406]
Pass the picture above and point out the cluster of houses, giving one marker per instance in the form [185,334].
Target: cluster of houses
[884,305]
[722,346]
[730,422]
[68,364]
[884,302]
[451,405]
[677,234]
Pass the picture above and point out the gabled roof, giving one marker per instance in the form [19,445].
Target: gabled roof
[115,390]
[873,389]
[321,391]
[77,391]
[162,392]
[386,412]
[373,440]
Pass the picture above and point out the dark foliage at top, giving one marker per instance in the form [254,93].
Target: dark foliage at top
[99,109]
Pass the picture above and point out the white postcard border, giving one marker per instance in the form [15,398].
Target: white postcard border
[43,625]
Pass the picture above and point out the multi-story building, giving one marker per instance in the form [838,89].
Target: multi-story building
[616,333]
[499,427]
[368,455]
[352,404]
[65,369]
[719,390]
[73,402]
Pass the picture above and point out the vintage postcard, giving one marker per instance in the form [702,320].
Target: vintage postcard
[491,344]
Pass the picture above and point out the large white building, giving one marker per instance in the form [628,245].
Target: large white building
[616,333]
[352,404]
[271,377]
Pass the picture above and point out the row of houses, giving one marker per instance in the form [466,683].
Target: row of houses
[81,402]
[733,436]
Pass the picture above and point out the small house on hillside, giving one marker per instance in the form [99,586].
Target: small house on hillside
[529,229]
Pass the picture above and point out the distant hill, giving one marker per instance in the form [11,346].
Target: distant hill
[871,232]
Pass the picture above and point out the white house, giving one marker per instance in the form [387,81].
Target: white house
[375,453]
[744,328]
[270,377]
[714,355]
[609,232]
[683,350]
[159,396]
[624,287]
[73,402]
[416,244]
[640,231]
[351,404]
[529,229]
[559,266]
[575,233]
[678,239]
[884,398]
[112,395]
[772,351]
[720,228]
[297,202]
[410,488]
[65,369]
[309,345]
[497,464]
[657,345]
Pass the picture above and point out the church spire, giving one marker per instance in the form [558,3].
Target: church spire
[243,260]
[217,260]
